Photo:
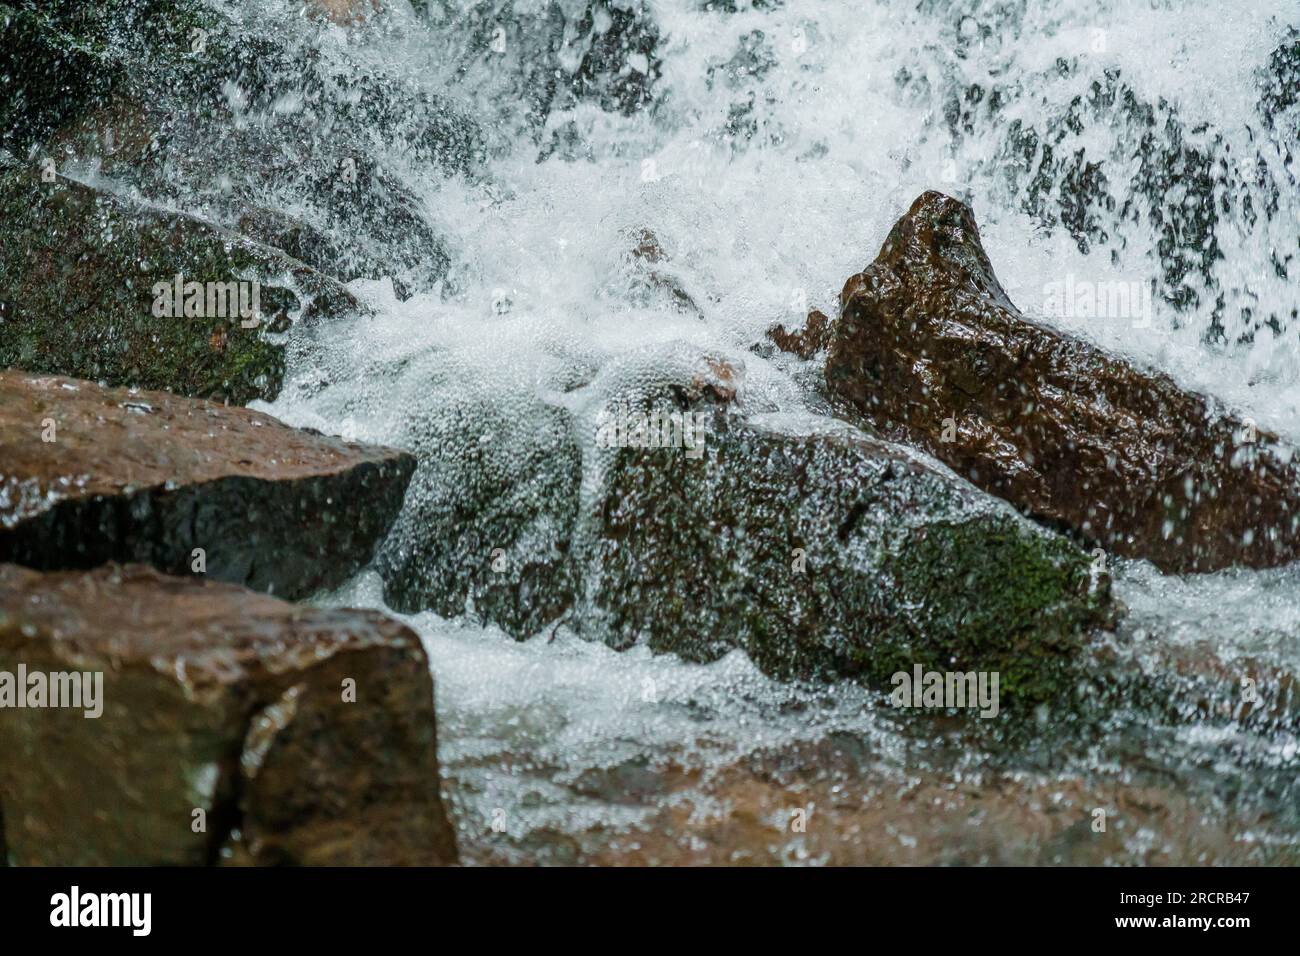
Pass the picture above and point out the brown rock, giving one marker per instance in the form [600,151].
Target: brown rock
[718,381]
[344,12]
[219,700]
[858,807]
[814,337]
[745,815]
[928,342]
[95,474]
[647,260]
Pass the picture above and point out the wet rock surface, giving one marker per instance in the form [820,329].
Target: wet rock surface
[204,107]
[555,57]
[813,338]
[78,272]
[219,700]
[823,552]
[1105,162]
[647,263]
[929,349]
[489,521]
[835,802]
[504,165]
[687,523]
[60,61]
[92,474]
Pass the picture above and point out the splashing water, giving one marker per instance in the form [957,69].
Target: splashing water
[768,147]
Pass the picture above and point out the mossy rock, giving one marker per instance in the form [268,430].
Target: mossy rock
[489,516]
[824,553]
[77,270]
[62,58]
[137,90]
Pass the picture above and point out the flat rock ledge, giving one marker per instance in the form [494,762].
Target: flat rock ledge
[234,728]
[93,474]
[929,350]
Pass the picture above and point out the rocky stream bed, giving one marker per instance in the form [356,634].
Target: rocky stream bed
[634,391]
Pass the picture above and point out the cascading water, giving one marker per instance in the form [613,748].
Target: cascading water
[768,147]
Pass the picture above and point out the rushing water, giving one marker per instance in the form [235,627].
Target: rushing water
[769,146]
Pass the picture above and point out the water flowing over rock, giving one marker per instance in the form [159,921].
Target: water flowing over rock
[663,573]
[550,58]
[238,114]
[823,552]
[235,728]
[345,12]
[685,523]
[78,296]
[855,809]
[489,521]
[1104,163]
[648,279]
[929,349]
[93,474]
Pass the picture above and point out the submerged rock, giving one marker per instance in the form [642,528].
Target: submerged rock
[79,271]
[648,278]
[929,349]
[838,801]
[1099,160]
[540,62]
[232,728]
[93,474]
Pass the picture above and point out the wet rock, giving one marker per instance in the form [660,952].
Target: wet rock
[93,474]
[78,272]
[825,553]
[647,263]
[374,225]
[235,728]
[619,65]
[245,120]
[925,791]
[746,814]
[554,56]
[1198,680]
[929,350]
[345,12]
[488,523]
[321,244]
[1094,158]
[1280,79]
[814,337]
[60,60]
[651,506]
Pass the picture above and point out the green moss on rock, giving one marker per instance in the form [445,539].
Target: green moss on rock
[61,58]
[825,553]
[77,271]
[1002,594]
